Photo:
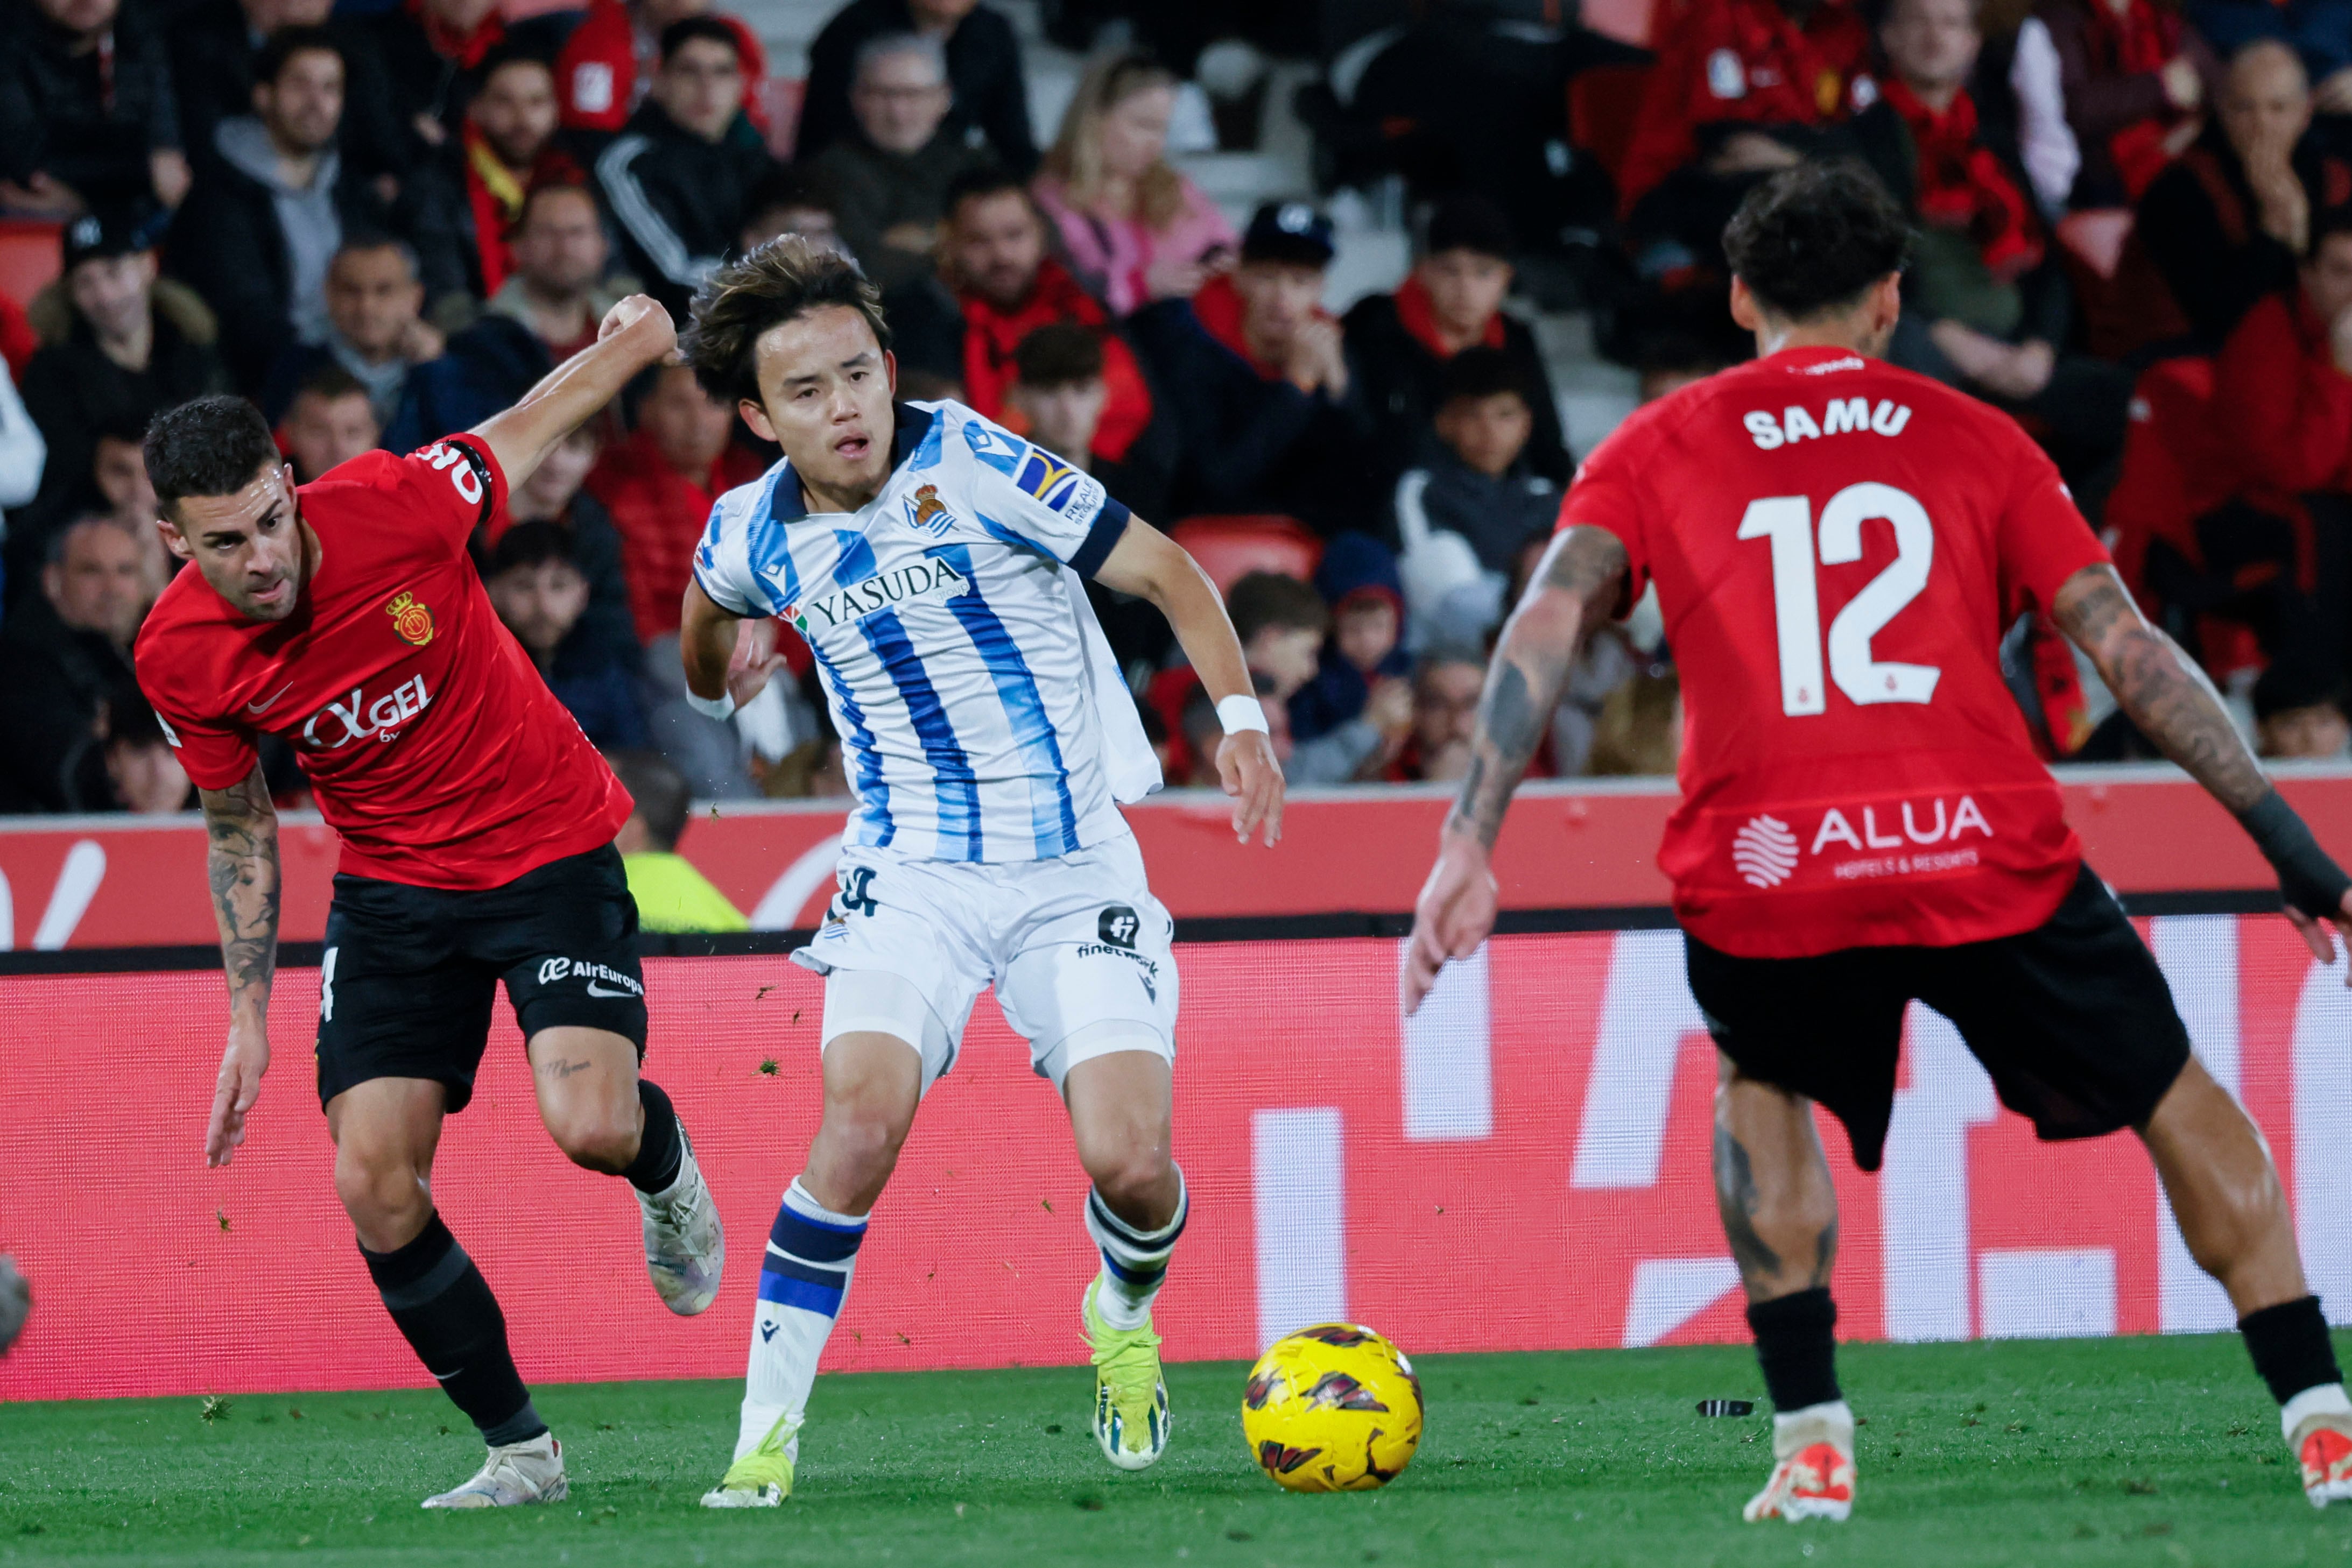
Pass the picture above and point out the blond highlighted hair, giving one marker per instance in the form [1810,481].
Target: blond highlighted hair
[1076,158]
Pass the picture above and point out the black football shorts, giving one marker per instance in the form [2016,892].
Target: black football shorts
[405,988]
[2073,1020]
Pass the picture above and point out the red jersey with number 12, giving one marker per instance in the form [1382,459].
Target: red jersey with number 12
[435,749]
[1838,546]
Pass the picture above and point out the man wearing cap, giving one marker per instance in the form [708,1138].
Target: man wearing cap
[1400,343]
[1256,377]
[120,361]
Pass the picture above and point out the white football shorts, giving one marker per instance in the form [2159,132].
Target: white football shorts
[1078,949]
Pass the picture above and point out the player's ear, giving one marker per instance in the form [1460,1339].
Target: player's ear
[169,531]
[890,372]
[1743,305]
[757,418]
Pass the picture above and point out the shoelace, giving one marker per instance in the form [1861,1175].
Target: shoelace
[1131,1371]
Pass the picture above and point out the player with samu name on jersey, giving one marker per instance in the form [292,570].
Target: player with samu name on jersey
[934,562]
[1837,547]
[345,617]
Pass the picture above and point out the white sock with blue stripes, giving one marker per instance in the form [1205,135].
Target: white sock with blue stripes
[1135,1262]
[812,1251]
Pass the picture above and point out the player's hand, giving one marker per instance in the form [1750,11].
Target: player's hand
[643,314]
[1251,775]
[1454,913]
[242,1065]
[2319,936]
[756,658]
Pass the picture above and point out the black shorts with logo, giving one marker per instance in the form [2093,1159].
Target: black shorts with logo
[404,989]
[2073,1020]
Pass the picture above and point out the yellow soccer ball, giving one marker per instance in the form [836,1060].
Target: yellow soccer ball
[1334,1407]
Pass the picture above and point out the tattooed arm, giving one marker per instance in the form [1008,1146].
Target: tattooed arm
[241,863]
[1574,590]
[2173,704]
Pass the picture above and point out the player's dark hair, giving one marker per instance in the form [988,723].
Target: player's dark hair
[1479,371]
[686,29]
[783,280]
[660,791]
[1813,238]
[530,544]
[215,445]
[280,47]
[1265,599]
[1058,355]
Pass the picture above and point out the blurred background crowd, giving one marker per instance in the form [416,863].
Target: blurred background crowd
[1335,289]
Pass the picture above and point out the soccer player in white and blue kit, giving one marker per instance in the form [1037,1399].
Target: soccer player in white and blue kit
[934,562]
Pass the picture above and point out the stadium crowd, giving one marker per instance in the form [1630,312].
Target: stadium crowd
[2134,233]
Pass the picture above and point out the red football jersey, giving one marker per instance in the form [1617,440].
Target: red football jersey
[434,747]
[1838,546]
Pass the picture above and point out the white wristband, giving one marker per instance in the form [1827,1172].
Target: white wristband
[720,708]
[1237,714]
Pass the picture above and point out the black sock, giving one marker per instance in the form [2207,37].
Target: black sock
[1794,1345]
[444,1306]
[2291,1348]
[660,1150]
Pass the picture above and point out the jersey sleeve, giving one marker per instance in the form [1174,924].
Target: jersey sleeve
[216,755]
[1028,496]
[2043,540]
[722,565]
[452,486]
[1607,493]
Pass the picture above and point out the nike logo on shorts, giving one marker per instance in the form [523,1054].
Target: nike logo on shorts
[596,991]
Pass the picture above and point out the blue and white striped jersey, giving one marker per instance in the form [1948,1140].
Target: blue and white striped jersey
[982,715]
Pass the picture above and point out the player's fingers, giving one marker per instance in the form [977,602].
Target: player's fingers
[1274,790]
[1424,959]
[2315,936]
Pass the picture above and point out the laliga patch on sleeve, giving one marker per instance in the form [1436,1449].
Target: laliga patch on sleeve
[1059,488]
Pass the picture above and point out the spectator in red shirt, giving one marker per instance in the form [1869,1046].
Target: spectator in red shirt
[469,196]
[430,58]
[608,62]
[2134,79]
[1737,84]
[660,484]
[2282,384]
[996,286]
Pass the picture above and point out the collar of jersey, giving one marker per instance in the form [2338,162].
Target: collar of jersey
[908,426]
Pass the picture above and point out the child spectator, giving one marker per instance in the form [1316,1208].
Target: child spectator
[991,96]
[1134,227]
[677,180]
[2299,713]
[2226,224]
[375,329]
[2134,80]
[1280,621]
[142,766]
[887,184]
[1463,517]
[1398,344]
[470,196]
[87,114]
[273,201]
[996,285]
[672,894]
[554,495]
[1059,398]
[1361,683]
[330,422]
[540,595]
[1446,685]
[659,485]
[608,63]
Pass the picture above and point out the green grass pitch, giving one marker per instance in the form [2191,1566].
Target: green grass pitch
[2154,1451]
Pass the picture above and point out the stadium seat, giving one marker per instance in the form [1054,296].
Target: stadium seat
[1230,547]
[30,257]
[1602,104]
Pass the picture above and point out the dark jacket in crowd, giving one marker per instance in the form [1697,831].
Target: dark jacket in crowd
[605,634]
[1248,443]
[1498,515]
[56,685]
[1401,381]
[677,200]
[228,244]
[213,50]
[398,68]
[486,367]
[2202,227]
[62,115]
[872,192]
[983,68]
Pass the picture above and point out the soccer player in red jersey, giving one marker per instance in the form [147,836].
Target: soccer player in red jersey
[345,617]
[1837,546]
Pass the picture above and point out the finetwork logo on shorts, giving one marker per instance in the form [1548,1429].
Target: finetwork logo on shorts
[601,979]
[1765,851]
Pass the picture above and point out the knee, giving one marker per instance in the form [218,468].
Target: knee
[865,1134]
[385,1195]
[1135,1180]
[602,1139]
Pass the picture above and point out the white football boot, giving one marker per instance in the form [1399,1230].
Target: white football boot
[686,1247]
[518,1473]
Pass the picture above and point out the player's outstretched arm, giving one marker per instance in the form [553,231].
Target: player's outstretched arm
[241,863]
[1149,565]
[1573,592]
[727,657]
[2168,697]
[634,333]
